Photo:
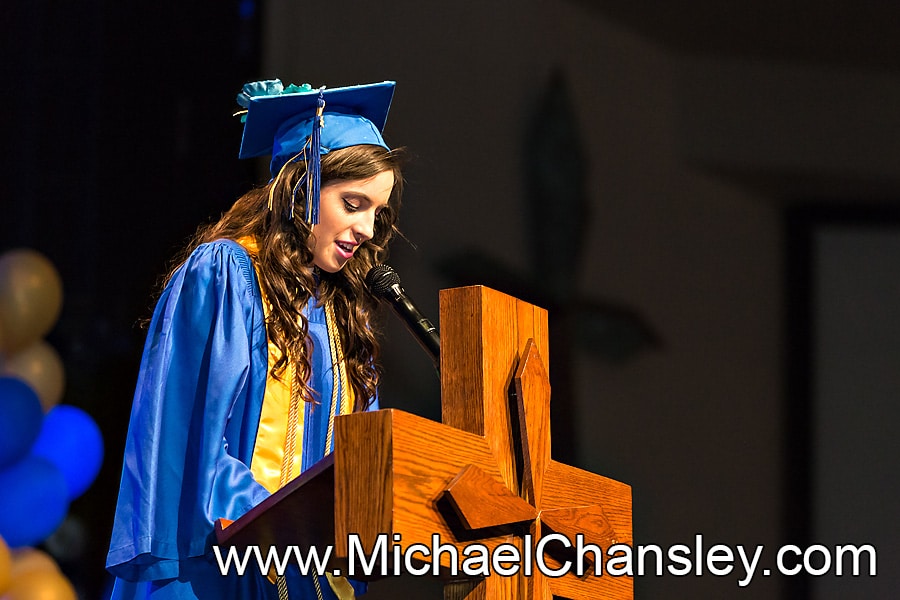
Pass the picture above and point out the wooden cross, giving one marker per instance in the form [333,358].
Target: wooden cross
[492,465]
[484,475]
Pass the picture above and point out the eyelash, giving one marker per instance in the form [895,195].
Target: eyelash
[352,208]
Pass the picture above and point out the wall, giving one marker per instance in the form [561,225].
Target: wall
[685,228]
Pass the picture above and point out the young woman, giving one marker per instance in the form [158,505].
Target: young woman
[260,338]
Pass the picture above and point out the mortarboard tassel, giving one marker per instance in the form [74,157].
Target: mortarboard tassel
[301,182]
[314,164]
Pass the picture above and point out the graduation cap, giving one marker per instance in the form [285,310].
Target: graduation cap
[302,123]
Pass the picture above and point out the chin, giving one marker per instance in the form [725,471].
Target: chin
[330,267]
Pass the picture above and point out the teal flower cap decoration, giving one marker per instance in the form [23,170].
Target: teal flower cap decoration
[269,87]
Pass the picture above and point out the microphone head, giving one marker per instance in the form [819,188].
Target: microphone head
[381,278]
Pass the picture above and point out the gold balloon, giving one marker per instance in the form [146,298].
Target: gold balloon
[5,565]
[40,585]
[40,367]
[36,576]
[30,298]
[27,560]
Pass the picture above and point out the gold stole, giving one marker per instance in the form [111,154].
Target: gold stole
[278,452]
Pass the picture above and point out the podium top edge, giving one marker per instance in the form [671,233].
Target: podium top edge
[486,293]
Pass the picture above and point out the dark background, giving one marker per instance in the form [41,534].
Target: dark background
[692,154]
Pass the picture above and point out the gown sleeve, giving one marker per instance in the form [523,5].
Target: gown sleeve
[192,425]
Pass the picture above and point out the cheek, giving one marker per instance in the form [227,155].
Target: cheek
[331,219]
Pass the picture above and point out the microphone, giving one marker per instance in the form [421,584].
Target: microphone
[384,283]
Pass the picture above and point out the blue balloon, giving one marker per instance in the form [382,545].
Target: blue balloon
[33,501]
[20,419]
[71,441]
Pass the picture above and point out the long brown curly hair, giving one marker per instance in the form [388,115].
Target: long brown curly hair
[283,261]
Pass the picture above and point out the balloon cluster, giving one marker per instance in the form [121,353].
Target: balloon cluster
[49,453]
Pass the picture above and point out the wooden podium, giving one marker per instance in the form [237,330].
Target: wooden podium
[482,477]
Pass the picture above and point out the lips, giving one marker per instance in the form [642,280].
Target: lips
[345,249]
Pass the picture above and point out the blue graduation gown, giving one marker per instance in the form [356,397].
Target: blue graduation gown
[192,432]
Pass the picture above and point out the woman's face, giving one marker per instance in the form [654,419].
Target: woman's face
[347,210]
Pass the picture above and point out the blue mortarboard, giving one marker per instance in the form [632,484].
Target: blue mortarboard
[282,121]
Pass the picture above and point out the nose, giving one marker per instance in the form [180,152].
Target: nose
[364,228]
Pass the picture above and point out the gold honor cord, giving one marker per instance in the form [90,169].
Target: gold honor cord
[290,438]
[339,373]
